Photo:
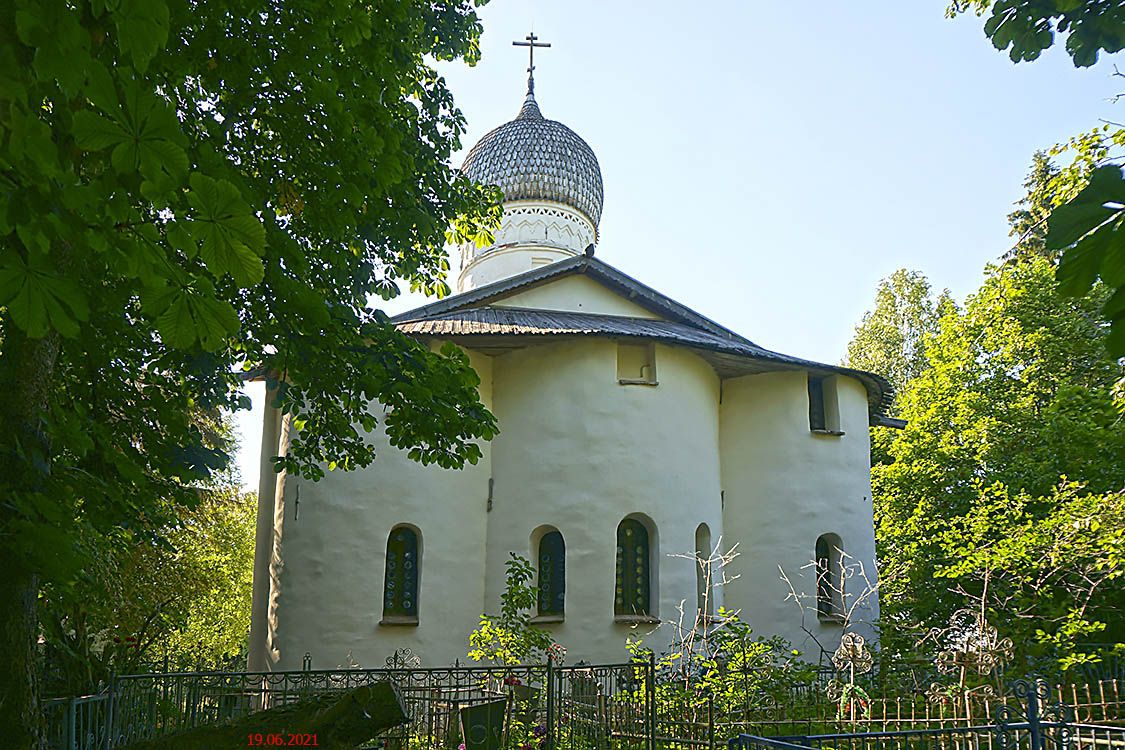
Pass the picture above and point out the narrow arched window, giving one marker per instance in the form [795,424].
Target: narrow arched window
[829,581]
[633,581]
[704,570]
[400,581]
[552,574]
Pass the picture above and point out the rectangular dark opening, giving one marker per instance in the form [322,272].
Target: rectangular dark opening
[816,404]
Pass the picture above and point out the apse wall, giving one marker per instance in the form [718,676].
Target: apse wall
[579,452]
[785,486]
[331,586]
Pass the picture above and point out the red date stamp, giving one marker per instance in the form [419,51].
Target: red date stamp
[281,739]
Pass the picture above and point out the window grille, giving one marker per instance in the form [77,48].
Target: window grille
[400,582]
[632,586]
[552,574]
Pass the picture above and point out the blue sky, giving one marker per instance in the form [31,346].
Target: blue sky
[768,163]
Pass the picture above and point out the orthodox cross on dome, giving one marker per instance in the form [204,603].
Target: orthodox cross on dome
[531,43]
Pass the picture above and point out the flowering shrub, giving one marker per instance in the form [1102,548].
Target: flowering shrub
[557,653]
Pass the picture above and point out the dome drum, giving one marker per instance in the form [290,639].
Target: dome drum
[537,224]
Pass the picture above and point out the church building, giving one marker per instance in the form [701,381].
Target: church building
[634,433]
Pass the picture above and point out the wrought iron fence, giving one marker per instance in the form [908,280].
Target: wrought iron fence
[79,723]
[1101,702]
[1035,724]
[949,738]
[547,707]
[1053,736]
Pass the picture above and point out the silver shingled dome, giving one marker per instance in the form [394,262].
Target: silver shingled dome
[533,158]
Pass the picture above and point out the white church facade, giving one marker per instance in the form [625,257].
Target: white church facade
[633,433]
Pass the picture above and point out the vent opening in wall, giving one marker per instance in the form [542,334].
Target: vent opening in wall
[636,363]
[824,405]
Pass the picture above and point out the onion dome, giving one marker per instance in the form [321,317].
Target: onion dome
[533,158]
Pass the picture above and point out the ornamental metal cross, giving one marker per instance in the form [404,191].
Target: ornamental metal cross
[531,44]
[852,656]
[973,645]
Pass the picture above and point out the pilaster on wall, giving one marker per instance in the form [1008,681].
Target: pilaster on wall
[267,539]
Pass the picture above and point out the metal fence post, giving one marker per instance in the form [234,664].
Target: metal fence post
[552,717]
[71,738]
[650,683]
[710,722]
[1035,731]
[111,707]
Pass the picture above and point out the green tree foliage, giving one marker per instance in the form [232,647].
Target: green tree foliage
[1029,221]
[1018,394]
[1089,228]
[1022,548]
[1083,204]
[1097,147]
[510,637]
[1027,27]
[1067,213]
[184,598]
[891,338]
[1048,568]
[190,189]
[721,669]
[1086,222]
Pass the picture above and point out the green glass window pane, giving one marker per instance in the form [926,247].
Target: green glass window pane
[400,580]
[552,574]
[633,579]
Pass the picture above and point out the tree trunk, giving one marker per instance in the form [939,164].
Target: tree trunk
[20,714]
[27,369]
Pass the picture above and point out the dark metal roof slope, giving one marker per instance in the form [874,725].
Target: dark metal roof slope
[521,321]
[730,357]
[626,285]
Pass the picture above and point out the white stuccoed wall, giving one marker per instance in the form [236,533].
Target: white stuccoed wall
[784,487]
[580,452]
[331,589]
[508,261]
[576,294]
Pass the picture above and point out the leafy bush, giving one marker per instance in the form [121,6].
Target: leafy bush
[510,638]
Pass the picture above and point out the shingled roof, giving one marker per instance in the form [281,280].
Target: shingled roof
[587,265]
[471,319]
